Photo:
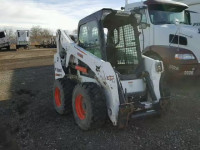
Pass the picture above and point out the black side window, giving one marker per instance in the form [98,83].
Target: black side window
[144,17]
[175,39]
[18,34]
[89,38]
[2,34]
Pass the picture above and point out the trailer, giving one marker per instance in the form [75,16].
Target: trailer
[23,37]
[4,40]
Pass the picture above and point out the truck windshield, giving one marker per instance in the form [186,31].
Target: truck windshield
[2,34]
[159,17]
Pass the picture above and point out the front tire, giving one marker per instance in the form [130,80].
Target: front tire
[89,106]
[165,103]
[62,100]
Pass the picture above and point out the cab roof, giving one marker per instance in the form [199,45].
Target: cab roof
[131,6]
[165,2]
[95,16]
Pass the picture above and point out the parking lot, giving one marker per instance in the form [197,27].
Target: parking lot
[28,119]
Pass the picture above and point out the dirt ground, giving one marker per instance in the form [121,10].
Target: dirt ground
[28,120]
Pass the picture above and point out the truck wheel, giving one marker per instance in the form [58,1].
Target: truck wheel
[8,47]
[62,100]
[89,106]
[165,103]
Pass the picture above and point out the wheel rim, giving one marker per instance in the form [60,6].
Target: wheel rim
[79,107]
[57,97]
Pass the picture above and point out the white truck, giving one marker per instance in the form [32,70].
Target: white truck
[166,34]
[4,40]
[194,8]
[23,37]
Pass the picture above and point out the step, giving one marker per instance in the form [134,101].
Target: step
[144,114]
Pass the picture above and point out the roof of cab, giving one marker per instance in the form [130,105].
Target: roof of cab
[131,6]
[95,16]
[165,2]
[189,2]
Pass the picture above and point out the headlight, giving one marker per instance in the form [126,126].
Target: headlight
[184,57]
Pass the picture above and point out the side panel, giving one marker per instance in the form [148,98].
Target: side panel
[150,66]
[133,86]
[59,72]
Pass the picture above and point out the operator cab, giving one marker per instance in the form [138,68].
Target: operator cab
[113,36]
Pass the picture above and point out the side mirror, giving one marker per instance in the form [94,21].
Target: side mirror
[143,25]
[177,22]
[138,17]
[73,38]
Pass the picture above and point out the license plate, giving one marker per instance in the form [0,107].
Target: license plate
[188,73]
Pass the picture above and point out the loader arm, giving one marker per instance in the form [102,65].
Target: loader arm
[150,66]
[105,76]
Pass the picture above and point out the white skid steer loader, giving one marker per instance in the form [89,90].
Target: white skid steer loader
[104,73]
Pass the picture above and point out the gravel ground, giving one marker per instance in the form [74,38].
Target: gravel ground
[33,123]
[28,120]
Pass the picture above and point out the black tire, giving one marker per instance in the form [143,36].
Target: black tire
[8,47]
[63,89]
[165,102]
[92,106]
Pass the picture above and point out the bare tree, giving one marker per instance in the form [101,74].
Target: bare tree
[39,35]
[46,33]
[75,31]
[35,33]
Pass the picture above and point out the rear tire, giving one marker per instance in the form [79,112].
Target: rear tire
[89,106]
[62,100]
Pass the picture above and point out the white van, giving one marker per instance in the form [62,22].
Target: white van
[4,40]
[23,39]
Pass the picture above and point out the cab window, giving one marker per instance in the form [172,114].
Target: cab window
[89,38]
[2,34]
[144,17]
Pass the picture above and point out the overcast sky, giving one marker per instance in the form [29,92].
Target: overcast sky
[51,14]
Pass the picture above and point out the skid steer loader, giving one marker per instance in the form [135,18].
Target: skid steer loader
[104,73]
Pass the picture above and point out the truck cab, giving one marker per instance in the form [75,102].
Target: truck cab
[167,35]
[4,40]
[23,37]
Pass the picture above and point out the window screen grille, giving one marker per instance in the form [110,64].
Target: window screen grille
[124,39]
